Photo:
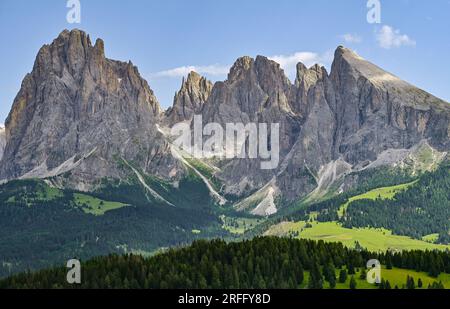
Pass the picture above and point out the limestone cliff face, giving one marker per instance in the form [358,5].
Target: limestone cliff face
[80,112]
[313,147]
[189,100]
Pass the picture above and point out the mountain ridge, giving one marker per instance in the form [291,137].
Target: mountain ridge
[78,111]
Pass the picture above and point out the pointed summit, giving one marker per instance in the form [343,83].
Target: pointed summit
[376,110]
[240,68]
[194,92]
[349,62]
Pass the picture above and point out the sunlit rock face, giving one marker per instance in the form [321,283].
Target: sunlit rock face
[78,113]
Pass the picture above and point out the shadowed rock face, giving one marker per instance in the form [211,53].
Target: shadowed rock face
[77,103]
[80,112]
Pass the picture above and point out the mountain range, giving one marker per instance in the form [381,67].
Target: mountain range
[86,124]
[77,113]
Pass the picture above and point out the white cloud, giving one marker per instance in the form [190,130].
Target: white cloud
[214,70]
[351,38]
[389,37]
[289,62]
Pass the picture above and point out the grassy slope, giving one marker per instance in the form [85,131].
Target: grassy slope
[395,276]
[431,238]
[372,239]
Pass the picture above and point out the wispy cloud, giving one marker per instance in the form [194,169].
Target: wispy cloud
[351,38]
[389,37]
[289,62]
[215,69]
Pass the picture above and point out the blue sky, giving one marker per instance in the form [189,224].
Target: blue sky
[167,38]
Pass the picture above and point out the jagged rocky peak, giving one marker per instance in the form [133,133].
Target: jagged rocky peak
[69,51]
[375,111]
[254,86]
[189,100]
[240,68]
[271,76]
[348,66]
[73,58]
[307,77]
[262,71]
[78,111]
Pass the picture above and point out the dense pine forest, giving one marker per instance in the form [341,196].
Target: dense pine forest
[267,262]
[41,226]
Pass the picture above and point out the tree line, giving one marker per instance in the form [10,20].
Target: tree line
[264,262]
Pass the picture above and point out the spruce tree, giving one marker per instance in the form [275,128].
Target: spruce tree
[419,283]
[351,269]
[315,278]
[410,285]
[342,276]
[352,283]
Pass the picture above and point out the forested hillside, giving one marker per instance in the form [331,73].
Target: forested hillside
[260,263]
[415,207]
[41,226]
[420,210]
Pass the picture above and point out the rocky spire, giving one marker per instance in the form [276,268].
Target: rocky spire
[189,100]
